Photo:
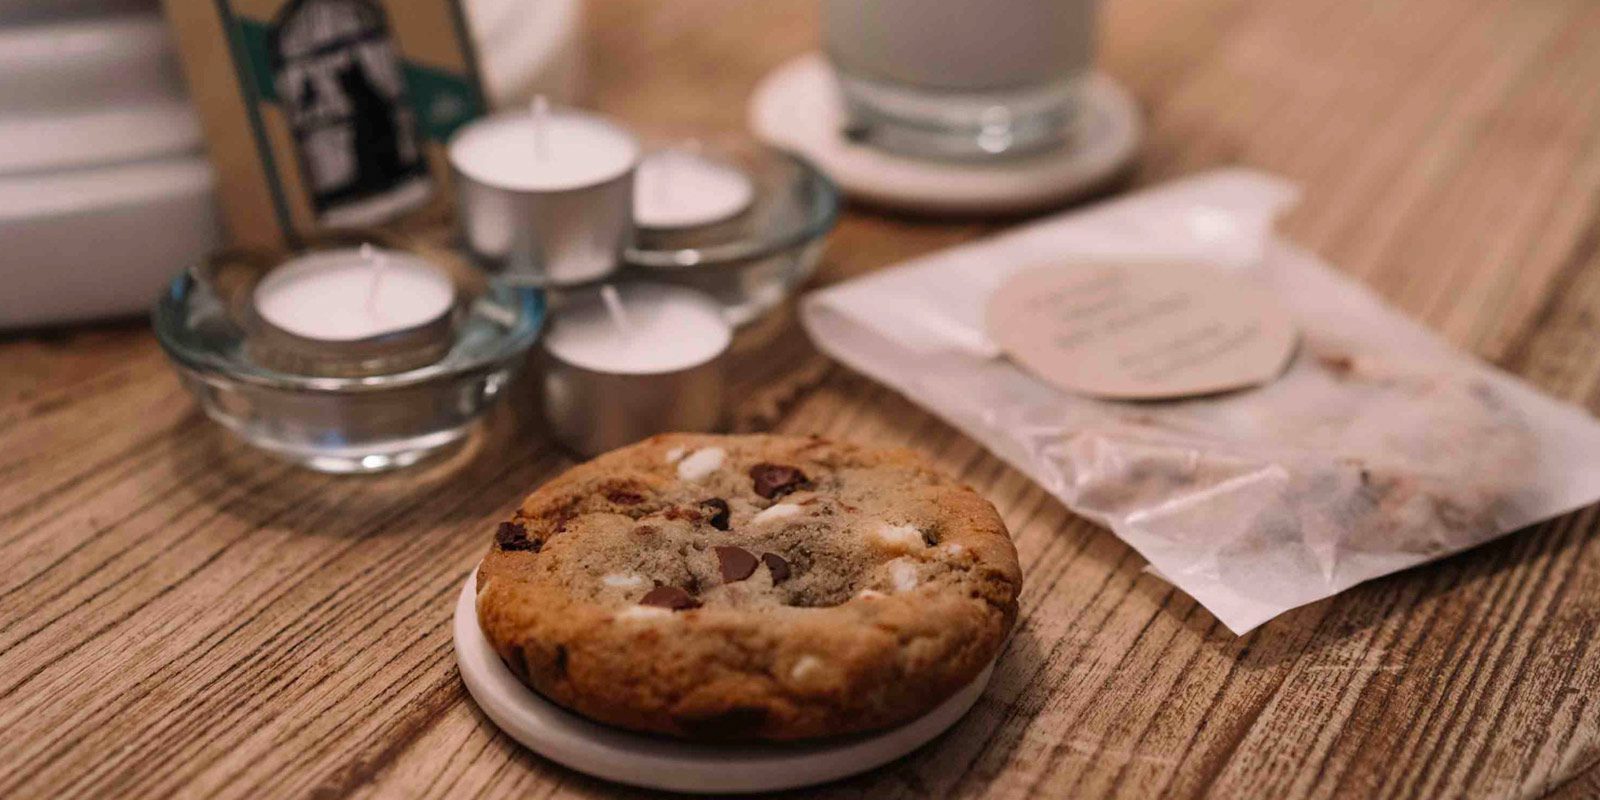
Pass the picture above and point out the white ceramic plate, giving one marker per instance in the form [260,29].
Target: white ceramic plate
[87,63]
[663,763]
[102,242]
[797,107]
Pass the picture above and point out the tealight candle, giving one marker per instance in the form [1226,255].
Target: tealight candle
[352,310]
[546,195]
[354,293]
[683,189]
[631,361]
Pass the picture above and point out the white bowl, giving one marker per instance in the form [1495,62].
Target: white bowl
[101,242]
[88,63]
[91,92]
[51,142]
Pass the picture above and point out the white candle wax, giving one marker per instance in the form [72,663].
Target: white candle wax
[661,328]
[681,189]
[547,150]
[353,293]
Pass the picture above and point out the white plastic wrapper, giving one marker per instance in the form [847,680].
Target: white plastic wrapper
[1380,448]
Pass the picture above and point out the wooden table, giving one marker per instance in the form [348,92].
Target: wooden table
[180,615]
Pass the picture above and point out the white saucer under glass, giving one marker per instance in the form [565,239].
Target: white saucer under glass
[798,107]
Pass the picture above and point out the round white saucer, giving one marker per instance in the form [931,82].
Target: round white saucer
[657,762]
[797,107]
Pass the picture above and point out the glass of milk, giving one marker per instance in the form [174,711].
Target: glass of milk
[964,79]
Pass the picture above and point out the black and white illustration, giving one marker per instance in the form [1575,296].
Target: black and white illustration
[339,79]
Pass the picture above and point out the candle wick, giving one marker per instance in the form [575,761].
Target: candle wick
[614,307]
[378,262]
[541,112]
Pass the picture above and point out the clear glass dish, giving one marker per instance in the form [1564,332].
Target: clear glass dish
[348,424]
[756,259]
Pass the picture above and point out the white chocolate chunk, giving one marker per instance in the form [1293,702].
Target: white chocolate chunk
[699,465]
[674,454]
[955,549]
[775,513]
[870,594]
[622,580]
[898,538]
[805,667]
[643,613]
[904,574]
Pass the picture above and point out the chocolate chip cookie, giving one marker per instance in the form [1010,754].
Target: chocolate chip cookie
[750,586]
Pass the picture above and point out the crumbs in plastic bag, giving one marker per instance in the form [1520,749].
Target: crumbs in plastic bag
[1380,447]
[1380,457]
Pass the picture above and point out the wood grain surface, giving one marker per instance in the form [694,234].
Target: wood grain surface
[180,616]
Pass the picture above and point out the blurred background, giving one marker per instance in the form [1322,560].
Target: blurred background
[100,143]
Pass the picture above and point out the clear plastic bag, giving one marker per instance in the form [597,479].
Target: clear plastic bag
[1380,448]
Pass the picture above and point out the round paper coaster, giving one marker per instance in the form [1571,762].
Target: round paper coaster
[658,762]
[797,107]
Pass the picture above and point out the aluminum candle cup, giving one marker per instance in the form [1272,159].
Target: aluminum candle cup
[545,197]
[648,361]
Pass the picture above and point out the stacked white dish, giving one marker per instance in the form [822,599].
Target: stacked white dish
[104,190]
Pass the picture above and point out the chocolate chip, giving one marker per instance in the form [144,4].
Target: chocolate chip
[736,563]
[512,536]
[776,480]
[622,498]
[669,597]
[515,660]
[739,722]
[777,566]
[558,514]
[718,509]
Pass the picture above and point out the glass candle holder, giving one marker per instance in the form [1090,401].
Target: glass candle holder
[750,260]
[389,413]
